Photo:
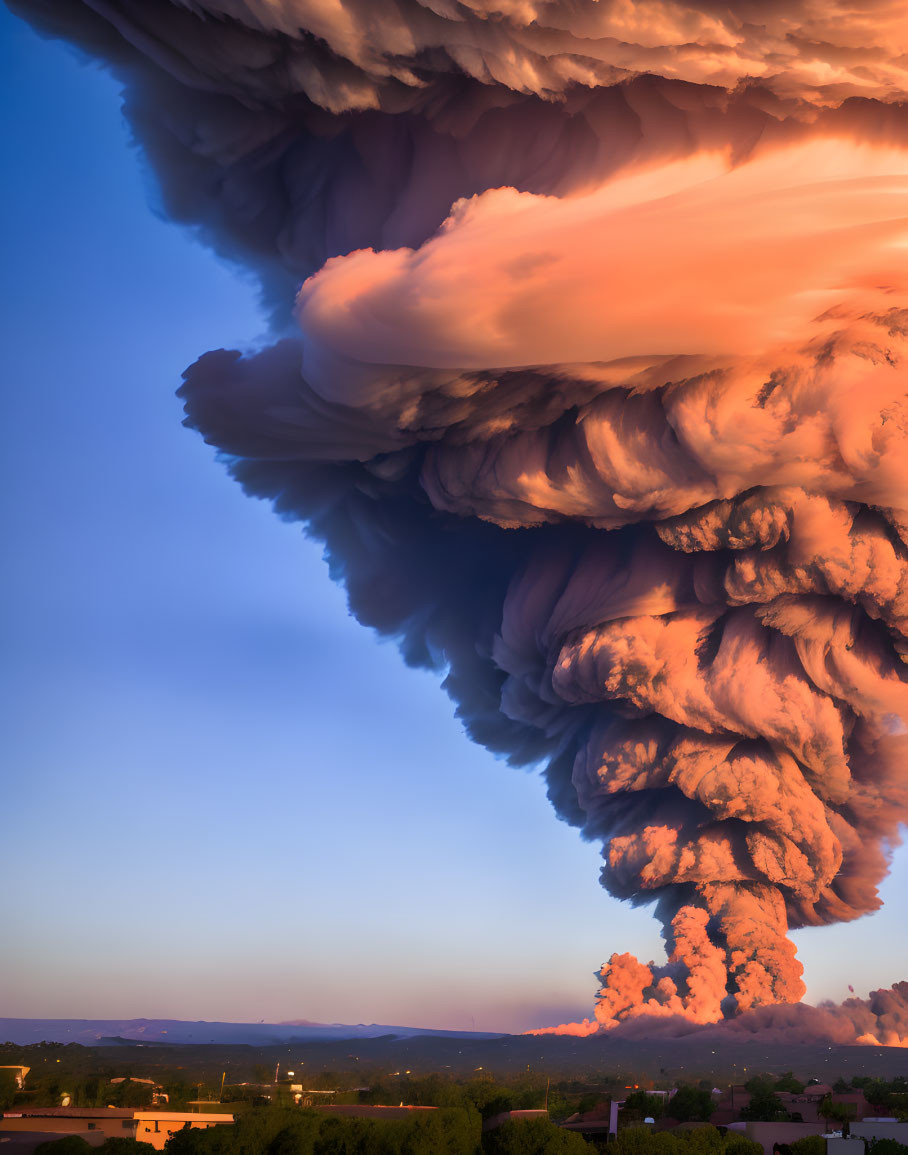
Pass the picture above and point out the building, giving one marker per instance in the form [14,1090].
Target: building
[843,1145]
[512,1117]
[18,1074]
[598,1123]
[803,1107]
[880,1129]
[371,1110]
[95,1124]
[730,1106]
[770,1134]
[158,1094]
[104,1122]
[308,1098]
[156,1127]
[807,1102]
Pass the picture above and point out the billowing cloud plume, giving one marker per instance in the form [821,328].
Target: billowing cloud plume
[351,54]
[591,323]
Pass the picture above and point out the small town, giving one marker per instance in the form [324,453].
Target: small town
[285,1111]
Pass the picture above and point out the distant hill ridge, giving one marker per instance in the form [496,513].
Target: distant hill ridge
[173,1031]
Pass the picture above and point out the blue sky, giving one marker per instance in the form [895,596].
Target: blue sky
[223,798]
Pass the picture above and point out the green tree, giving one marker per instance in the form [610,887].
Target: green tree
[834,1112]
[560,1107]
[877,1092]
[497,1106]
[178,1094]
[636,1140]
[280,1131]
[765,1106]
[91,1092]
[68,1145]
[488,1097]
[809,1145]
[533,1137]
[898,1105]
[129,1094]
[120,1145]
[254,1132]
[703,1140]
[297,1139]
[451,1131]
[690,1105]
[638,1103]
[737,1144]
[665,1143]
[8,1089]
[788,1082]
[336,1136]
[887,1147]
[220,1140]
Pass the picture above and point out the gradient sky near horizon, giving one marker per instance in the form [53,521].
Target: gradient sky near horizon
[223,798]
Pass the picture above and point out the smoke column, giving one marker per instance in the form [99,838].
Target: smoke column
[590,335]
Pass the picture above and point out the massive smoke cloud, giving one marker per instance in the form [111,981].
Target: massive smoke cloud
[594,390]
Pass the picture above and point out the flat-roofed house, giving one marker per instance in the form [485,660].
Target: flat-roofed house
[104,1121]
[156,1127]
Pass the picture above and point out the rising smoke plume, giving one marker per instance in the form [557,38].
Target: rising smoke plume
[595,392]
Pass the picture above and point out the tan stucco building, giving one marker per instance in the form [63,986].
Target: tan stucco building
[156,1127]
[96,1124]
[105,1121]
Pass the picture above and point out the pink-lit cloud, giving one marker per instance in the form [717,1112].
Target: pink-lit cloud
[594,387]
